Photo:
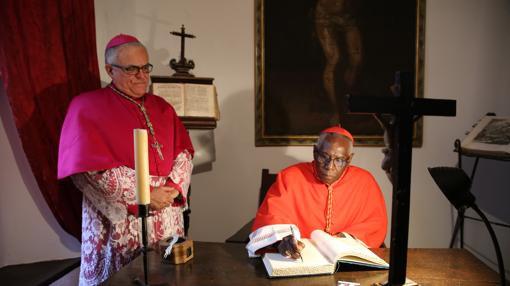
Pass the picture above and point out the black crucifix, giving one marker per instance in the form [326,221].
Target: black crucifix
[183,66]
[405,108]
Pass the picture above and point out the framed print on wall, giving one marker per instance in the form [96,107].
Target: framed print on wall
[310,54]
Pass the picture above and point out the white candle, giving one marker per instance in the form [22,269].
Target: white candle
[141,166]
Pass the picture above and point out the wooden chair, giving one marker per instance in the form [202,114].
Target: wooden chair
[267,181]
[241,236]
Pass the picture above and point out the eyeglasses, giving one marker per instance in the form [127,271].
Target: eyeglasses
[326,159]
[132,70]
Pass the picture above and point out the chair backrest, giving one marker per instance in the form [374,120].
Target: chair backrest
[241,236]
[267,180]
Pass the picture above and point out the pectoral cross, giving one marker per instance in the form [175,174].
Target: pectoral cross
[158,147]
[156,144]
[405,108]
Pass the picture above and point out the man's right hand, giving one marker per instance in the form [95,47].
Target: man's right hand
[162,197]
[290,247]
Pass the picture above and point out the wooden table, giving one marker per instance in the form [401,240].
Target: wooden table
[228,264]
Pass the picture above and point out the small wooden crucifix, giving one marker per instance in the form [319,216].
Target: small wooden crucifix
[404,108]
[183,66]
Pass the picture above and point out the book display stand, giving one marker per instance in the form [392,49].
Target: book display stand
[191,122]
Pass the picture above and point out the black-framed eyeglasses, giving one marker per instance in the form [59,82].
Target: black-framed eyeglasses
[325,159]
[132,69]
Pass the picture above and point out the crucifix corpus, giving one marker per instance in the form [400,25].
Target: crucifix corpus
[404,108]
[182,66]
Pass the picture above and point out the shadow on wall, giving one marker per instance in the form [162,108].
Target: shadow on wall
[205,150]
[236,173]
[26,172]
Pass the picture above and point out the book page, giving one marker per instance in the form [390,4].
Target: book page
[490,136]
[173,93]
[345,249]
[200,100]
[313,263]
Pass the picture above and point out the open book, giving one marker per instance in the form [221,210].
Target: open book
[490,136]
[189,99]
[321,254]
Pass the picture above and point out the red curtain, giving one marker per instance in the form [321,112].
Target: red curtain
[47,56]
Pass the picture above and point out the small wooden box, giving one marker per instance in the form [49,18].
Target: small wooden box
[182,252]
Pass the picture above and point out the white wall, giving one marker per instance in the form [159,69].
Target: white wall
[467,59]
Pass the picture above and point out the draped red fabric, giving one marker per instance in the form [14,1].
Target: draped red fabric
[47,56]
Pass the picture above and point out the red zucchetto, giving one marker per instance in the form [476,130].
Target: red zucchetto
[339,130]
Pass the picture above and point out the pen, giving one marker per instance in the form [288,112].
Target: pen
[292,231]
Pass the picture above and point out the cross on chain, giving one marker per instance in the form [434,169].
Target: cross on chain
[404,108]
[156,144]
[158,148]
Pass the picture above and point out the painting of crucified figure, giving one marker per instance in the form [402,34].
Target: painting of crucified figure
[335,23]
[311,55]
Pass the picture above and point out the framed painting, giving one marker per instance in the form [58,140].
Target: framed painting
[311,54]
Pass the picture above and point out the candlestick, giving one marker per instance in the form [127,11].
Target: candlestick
[142,191]
[141,166]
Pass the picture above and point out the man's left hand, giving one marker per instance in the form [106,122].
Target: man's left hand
[162,197]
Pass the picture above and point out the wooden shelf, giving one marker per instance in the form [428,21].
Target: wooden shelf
[181,79]
[198,122]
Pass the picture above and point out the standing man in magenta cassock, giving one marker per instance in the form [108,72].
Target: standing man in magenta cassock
[96,150]
[327,194]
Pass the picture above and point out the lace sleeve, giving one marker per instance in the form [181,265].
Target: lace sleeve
[269,234]
[110,191]
[181,171]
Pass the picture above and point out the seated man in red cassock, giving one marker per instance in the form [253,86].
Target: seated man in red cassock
[96,150]
[326,194]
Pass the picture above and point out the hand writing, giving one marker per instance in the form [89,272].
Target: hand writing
[290,247]
[162,197]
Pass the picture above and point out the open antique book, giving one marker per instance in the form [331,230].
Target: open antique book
[189,99]
[321,255]
[490,136]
